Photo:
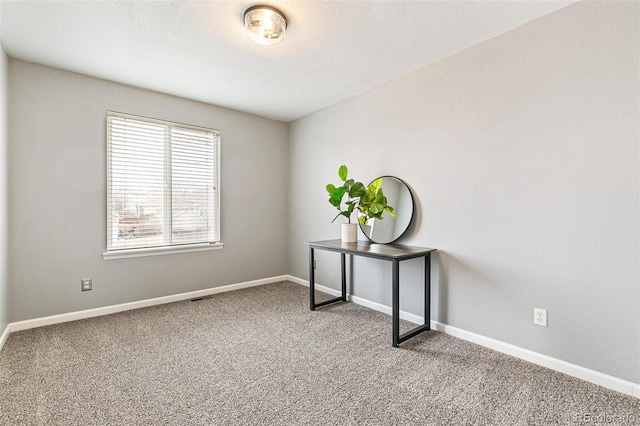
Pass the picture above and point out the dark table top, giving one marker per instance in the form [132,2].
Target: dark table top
[369,249]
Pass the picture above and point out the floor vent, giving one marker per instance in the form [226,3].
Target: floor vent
[197,299]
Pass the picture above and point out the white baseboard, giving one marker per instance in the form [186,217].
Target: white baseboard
[591,376]
[106,310]
[574,370]
[5,335]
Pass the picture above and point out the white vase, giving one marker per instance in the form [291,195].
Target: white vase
[366,230]
[349,232]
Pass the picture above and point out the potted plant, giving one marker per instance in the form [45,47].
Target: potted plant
[370,202]
[352,190]
[371,205]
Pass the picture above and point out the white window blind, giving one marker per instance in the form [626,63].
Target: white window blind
[162,183]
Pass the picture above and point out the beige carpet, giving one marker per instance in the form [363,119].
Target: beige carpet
[259,356]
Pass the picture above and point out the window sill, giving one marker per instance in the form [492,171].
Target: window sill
[158,251]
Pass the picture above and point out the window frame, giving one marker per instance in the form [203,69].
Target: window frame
[132,252]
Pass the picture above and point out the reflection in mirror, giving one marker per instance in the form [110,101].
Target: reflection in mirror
[391,228]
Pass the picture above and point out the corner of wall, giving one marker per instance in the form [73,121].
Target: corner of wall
[287,201]
[4,209]
[5,335]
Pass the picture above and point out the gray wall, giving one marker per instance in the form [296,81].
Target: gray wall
[58,206]
[4,210]
[523,153]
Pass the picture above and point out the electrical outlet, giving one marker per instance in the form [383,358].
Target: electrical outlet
[86,284]
[540,317]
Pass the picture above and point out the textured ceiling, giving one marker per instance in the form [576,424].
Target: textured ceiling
[198,50]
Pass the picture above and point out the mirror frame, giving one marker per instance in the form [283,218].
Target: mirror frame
[413,211]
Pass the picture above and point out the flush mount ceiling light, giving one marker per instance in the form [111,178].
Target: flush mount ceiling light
[265,25]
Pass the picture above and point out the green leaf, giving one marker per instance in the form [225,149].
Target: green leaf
[357,190]
[348,184]
[391,211]
[342,172]
[370,192]
[380,199]
[331,188]
[339,193]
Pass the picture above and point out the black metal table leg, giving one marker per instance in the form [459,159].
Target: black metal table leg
[397,339]
[312,295]
[312,280]
[344,276]
[395,302]
[427,290]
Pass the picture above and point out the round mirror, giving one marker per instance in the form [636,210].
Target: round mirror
[389,228]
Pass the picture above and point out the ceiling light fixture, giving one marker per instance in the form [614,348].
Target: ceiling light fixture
[265,25]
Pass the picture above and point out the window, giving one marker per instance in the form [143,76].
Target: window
[162,186]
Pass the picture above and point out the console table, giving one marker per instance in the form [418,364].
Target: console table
[390,252]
